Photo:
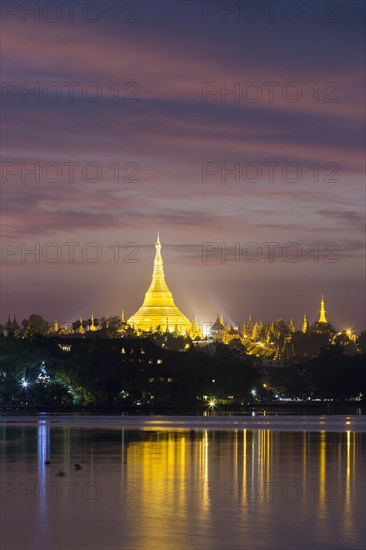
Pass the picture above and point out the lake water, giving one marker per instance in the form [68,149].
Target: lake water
[182,483]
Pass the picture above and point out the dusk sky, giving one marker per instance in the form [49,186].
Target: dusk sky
[136,102]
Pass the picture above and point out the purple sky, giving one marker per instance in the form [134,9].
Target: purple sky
[172,146]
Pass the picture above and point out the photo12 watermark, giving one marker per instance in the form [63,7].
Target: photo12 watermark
[69,252]
[36,92]
[70,11]
[269,92]
[69,171]
[269,252]
[270,492]
[250,12]
[68,492]
[268,171]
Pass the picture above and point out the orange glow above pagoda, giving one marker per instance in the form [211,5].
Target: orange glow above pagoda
[159,309]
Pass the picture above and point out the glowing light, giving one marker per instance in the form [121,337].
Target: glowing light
[206,329]
[212,401]
[351,335]
[43,377]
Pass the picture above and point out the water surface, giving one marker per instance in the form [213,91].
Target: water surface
[161,483]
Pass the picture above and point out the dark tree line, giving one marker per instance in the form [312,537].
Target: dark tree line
[126,372]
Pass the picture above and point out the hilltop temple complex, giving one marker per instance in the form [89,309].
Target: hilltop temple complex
[159,317]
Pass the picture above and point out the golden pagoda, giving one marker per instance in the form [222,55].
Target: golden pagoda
[81,329]
[92,326]
[159,309]
[322,318]
[304,325]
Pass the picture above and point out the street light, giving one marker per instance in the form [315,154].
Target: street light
[212,401]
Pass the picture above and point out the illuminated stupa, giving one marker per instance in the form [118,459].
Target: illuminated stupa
[159,309]
[322,317]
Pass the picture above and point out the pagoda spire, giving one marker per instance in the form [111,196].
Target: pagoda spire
[158,273]
[92,326]
[81,328]
[304,324]
[322,318]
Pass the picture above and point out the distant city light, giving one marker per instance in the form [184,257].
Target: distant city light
[212,403]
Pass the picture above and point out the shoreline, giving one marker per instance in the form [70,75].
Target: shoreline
[310,423]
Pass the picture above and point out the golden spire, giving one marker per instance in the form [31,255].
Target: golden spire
[196,329]
[81,328]
[159,309]
[123,316]
[304,324]
[322,318]
[92,326]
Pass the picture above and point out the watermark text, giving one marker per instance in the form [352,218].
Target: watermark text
[270,252]
[68,252]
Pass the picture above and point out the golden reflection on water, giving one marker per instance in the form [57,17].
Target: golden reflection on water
[256,481]
[350,466]
[236,468]
[322,475]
